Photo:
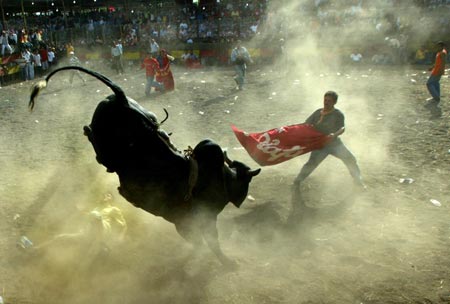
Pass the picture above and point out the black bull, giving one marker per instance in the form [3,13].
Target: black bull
[186,190]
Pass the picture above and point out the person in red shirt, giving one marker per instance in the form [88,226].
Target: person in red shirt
[44,57]
[436,72]
[151,66]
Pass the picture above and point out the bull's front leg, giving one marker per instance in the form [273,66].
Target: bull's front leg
[211,236]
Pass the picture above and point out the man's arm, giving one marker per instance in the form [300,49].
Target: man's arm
[233,55]
[337,133]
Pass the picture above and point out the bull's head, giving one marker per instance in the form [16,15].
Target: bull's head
[122,132]
[243,177]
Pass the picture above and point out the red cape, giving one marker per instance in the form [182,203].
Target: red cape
[281,144]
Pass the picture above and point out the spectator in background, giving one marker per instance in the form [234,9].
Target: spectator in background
[44,57]
[5,43]
[37,62]
[240,57]
[74,61]
[420,56]
[28,69]
[356,57]
[165,75]
[116,53]
[191,60]
[154,47]
[433,83]
[69,48]
[151,66]
[13,36]
[51,57]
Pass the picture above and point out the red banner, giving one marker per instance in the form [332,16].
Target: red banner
[281,144]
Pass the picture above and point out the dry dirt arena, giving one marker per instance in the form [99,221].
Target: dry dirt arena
[389,244]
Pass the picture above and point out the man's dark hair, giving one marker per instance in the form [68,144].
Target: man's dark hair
[333,95]
[441,43]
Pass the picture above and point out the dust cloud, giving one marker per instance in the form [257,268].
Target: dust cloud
[342,246]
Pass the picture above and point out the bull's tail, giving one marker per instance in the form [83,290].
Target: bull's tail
[35,90]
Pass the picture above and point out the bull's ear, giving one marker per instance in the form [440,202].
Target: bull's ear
[87,131]
[254,172]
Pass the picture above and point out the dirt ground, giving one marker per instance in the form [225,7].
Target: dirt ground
[388,244]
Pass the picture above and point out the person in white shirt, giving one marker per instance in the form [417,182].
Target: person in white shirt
[154,47]
[5,43]
[74,61]
[116,53]
[28,69]
[51,57]
[37,62]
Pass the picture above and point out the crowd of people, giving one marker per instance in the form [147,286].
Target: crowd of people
[388,39]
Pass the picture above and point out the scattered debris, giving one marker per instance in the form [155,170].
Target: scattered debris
[435,202]
[201,112]
[250,198]
[25,242]
[406,180]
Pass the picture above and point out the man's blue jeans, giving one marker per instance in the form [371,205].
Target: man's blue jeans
[240,74]
[152,83]
[434,87]
[338,150]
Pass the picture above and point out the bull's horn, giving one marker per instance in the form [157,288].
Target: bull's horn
[42,84]
[227,159]
[254,172]
[167,116]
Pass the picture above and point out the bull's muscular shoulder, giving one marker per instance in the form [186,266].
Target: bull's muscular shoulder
[210,153]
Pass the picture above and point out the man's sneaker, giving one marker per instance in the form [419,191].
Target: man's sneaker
[431,102]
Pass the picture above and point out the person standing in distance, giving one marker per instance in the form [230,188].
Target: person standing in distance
[154,47]
[74,61]
[330,121]
[151,66]
[240,57]
[437,71]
